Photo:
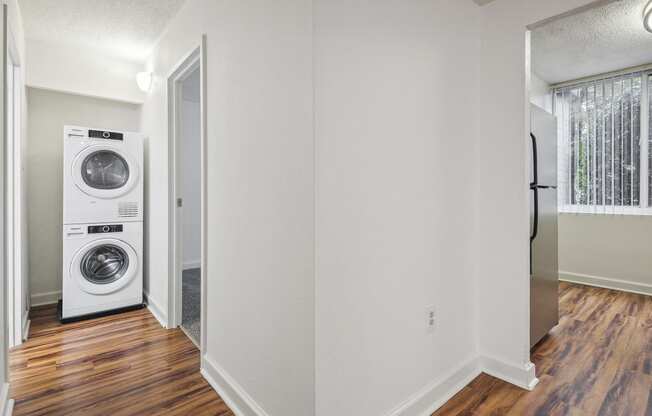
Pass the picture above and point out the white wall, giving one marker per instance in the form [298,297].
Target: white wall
[48,112]
[540,92]
[82,71]
[614,248]
[502,215]
[260,193]
[191,171]
[395,141]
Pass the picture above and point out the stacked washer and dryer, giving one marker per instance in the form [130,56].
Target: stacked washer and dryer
[102,222]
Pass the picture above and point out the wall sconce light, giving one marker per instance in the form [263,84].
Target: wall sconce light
[647,16]
[144,81]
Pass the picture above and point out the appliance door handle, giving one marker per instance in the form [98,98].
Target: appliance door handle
[535,222]
[534,187]
[535,162]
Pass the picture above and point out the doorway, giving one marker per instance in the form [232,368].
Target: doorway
[190,173]
[187,197]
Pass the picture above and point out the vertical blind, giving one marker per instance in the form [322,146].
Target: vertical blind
[600,147]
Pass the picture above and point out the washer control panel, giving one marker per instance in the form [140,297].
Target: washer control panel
[107,228]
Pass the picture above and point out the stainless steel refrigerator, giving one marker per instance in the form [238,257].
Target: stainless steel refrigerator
[544,266]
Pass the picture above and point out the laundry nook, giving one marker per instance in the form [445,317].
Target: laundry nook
[102,222]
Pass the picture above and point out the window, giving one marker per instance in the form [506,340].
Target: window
[603,145]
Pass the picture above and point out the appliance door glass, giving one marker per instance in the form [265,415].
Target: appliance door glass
[105,169]
[104,264]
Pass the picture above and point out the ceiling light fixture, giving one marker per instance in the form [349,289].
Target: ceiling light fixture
[144,81]
[647,16]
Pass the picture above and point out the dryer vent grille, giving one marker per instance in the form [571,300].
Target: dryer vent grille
[128,209]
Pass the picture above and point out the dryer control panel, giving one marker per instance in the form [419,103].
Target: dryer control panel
[107,228]
[103,134]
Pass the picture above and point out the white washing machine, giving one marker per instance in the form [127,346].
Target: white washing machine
[102,268]
[102,176]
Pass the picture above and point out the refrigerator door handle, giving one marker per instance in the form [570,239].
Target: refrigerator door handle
[534,187]
[535,222]
[535,162]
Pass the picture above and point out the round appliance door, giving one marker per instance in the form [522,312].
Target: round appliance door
[104,266]
[104,171]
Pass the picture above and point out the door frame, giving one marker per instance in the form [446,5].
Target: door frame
[196,58]
[17,303]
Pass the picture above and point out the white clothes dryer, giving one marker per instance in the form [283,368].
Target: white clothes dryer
[102,176]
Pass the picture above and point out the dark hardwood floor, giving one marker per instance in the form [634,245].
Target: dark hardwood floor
[597,361]
[117,365]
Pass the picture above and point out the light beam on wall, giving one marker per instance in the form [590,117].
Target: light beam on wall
[144,81]
[647,16]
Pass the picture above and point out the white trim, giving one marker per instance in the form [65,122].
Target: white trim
[644,142]
[436,393]
[604,210]
[196,58]
[183,69]
[422,403]
[203,98]
[14,186]
[592,5]
[189,336]
[606,75]
[156,310]
[45,298]
[27,324]
[83,94]
[192,264]
[606,282]
[229,390]
[6,404]
[523,376]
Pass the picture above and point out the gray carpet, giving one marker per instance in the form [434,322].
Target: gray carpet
[191,303]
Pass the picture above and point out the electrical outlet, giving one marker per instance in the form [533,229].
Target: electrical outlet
[431,319]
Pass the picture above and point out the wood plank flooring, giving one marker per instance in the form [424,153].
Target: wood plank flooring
[597,361]
[118,365]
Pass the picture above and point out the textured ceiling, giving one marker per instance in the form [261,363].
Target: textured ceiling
[120,28]
[482,2]
[596,41]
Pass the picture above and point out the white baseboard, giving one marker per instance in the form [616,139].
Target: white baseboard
[523,376]
[229,390]
[27,323]
[190,337]
[46,298]
[6,404]
[434,395]
[192,264]
[606,282]
[156,310]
